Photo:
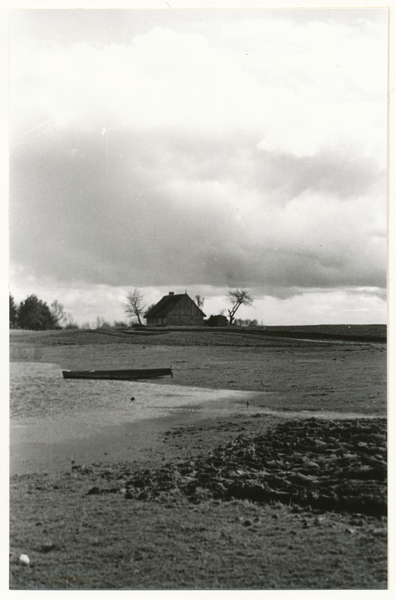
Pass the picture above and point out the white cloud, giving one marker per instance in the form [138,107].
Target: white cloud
[354,306]
[302,89]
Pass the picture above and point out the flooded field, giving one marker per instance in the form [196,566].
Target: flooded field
[276,377]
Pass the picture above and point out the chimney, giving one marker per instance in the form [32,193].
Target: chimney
[171,293]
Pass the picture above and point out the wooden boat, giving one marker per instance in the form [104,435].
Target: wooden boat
[119,374]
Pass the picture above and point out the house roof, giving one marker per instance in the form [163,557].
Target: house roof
[165,305]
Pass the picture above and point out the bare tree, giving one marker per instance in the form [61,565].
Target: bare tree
[134,306]
[69,322]
[237,298]
[58,312]
[101,323]
[199,301]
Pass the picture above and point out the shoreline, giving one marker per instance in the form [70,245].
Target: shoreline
[133,441]
[54,421]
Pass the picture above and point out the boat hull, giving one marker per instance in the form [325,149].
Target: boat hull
[120,374]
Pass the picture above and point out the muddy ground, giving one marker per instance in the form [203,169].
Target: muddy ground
[282,489]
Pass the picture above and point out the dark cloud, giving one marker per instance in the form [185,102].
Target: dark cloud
[338,173]
[108,210]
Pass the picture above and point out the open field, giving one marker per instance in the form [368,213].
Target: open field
[296,375]
[261,465]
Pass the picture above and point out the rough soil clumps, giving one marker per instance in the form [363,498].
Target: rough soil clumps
[338,466]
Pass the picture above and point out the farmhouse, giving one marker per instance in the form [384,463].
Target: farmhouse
[176,310]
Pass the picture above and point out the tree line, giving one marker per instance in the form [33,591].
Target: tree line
[33,313]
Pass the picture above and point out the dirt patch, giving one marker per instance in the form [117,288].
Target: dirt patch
[338,466]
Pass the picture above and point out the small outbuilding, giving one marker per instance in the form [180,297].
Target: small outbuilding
[175,310]
[217,321]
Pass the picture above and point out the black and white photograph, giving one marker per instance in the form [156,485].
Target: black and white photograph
[198,299]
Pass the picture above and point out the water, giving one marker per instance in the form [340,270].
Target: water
[55,421]
[39,392]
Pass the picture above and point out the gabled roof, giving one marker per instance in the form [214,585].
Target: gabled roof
[165,305]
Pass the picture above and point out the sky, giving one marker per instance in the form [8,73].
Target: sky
[201,151]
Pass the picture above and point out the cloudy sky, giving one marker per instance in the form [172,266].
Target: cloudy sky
[201,150]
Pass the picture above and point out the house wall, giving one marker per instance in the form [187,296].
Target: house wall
[175,321]
[185,312]
[157,321]
[180,320]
